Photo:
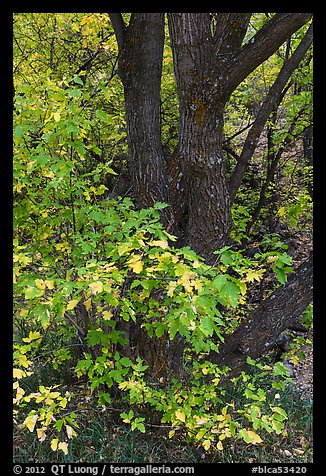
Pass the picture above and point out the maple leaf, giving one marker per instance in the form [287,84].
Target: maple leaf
[185,280]
[252,275]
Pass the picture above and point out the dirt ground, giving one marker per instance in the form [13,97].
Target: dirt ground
[303,374]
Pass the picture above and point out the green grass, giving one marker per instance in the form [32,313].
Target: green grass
[102,437]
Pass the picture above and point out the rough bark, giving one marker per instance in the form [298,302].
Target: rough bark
[197,168]
[229,32]
[140,69]
[279,311]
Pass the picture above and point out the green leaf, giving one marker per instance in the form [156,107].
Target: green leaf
[207,324]
[76,93]
[230,292]
[219,282]
[250,394]
[277,426]
[18,131]
[78,80]
[125,361]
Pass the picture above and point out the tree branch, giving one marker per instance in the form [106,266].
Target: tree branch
[119,28]
[279,311]
[265,111]
[266,41]
[230,31]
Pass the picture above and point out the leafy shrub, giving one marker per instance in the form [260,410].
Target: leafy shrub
[96,274]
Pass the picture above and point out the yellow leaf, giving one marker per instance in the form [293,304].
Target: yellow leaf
[24,362]
[63,446]
[171,433]
[219,446]
[30,422]
[281,212]
[295,360]
[252,275]
[96,287]
[180,415]
[19,394]
[72,304]
[206,444]
[171,287]
[49,283]
[136,264]
[57,116]
[107,315]
[161,243]
[124,248]
[272,259]
[298,451]
[18,373]
[39,283]
[69,431]
[138,267]
[254,437]
[31,336]
[88,304]
[197,284]
[41,435]
[63,403]
[201,421]
[185,277]
[54,444]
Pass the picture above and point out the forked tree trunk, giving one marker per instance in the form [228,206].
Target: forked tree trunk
[208,67]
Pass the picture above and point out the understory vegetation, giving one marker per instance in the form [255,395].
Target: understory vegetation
[105,294]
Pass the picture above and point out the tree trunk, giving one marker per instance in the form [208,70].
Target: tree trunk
[140,68]
[198,186]
[282,309]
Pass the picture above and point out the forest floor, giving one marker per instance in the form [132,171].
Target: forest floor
[303,373]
